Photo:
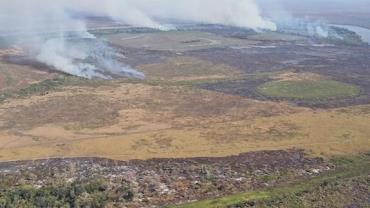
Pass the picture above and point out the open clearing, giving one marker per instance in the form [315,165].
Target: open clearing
[188,69]
[308,89]
[141,121]
[179,41]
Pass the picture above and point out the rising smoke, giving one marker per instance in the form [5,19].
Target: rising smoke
[44,27]
[312,17]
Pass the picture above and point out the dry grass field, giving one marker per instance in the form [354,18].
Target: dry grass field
[220,120]
[188,69]
[126,120]
[19,76]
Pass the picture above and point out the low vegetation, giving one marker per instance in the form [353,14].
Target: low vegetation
[308,89]
[109,121]
[46,86]
[351,175]
[95,182]
[91,193]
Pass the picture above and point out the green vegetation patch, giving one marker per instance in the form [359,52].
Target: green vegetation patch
[50,85]
[308,89]
[92,193]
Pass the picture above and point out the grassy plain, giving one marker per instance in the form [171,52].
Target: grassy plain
[138,121]
[308,89]
[16,77]
[126,119]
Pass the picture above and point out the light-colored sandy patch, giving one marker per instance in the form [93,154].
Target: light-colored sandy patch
[177,41]
[187,69]
[294,76]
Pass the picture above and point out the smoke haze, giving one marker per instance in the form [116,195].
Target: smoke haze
[328,6]
[45,27]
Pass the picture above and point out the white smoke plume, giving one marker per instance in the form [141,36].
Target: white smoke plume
[149,13]
[313,17]
[45,27]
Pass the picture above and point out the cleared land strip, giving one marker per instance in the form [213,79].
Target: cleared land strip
[358,167]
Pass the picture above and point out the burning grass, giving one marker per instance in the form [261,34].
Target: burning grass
[188,107]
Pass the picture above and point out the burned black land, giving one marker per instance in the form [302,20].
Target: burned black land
[348,64]
[345,59]
[228,60]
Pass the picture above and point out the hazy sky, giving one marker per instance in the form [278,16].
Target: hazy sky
[318,5]
[29,13]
